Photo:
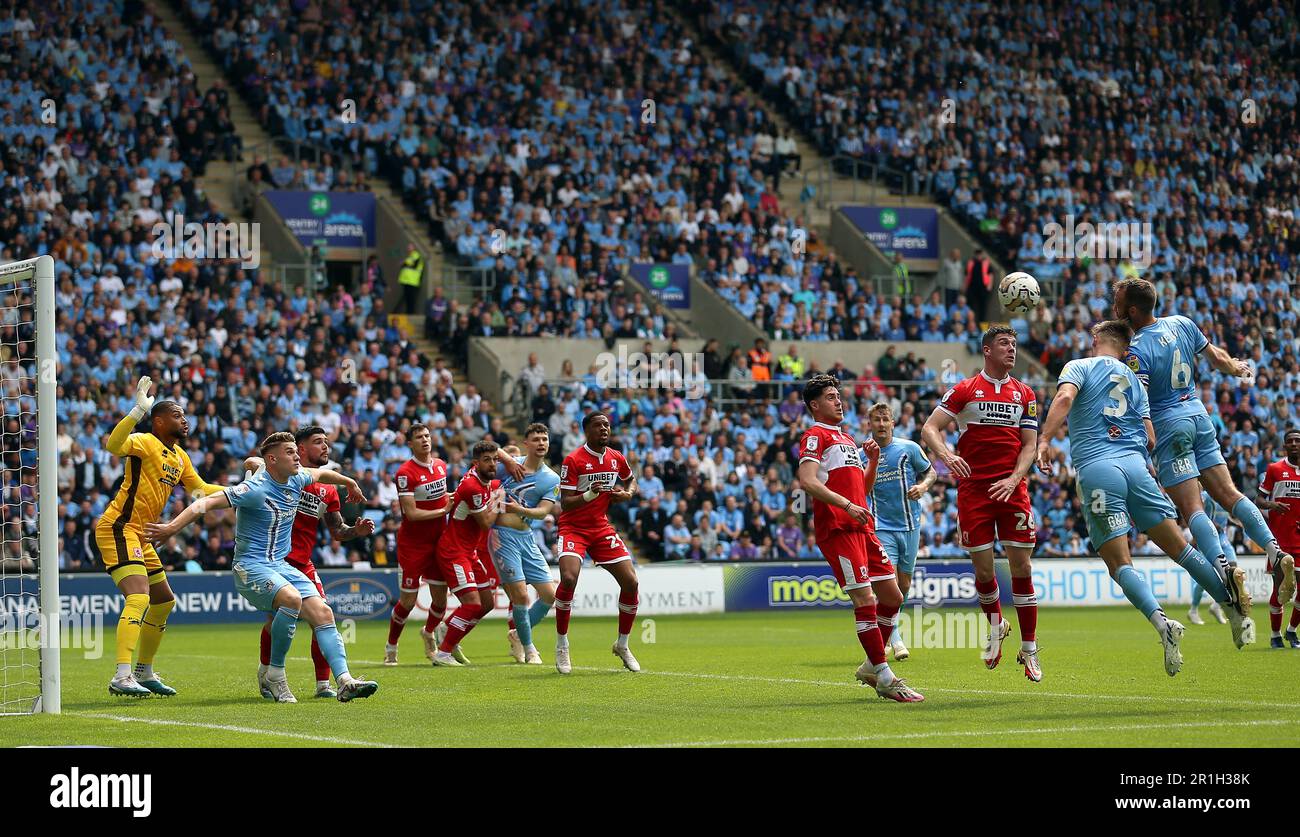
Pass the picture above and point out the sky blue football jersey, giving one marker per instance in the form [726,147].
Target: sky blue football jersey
[1106,416]
[1164,357]
[902,462]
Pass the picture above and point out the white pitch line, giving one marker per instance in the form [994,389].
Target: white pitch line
[911,736]
[324,739]
[1032,693]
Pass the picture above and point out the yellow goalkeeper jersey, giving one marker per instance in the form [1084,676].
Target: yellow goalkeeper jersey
[152,471]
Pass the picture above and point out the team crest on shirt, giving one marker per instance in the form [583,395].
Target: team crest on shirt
[1015,395]
[137,552]
[1114,432]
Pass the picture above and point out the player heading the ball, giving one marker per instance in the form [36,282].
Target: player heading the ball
[997,433]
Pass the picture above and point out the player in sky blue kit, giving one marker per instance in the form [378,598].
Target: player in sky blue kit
[1221,520]
[514,547]
[265,506]
[1110,436]
[1163,354]
[903,476]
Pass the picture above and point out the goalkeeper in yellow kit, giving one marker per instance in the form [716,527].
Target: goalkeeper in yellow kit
[155,464]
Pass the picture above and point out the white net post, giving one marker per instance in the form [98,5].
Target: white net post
[29,562]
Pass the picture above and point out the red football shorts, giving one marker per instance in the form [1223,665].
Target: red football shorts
[984,520]
[309,569]
[462,571]
[603,545]
[418,563]
[856,558]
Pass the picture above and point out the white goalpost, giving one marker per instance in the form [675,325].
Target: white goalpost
[29,507]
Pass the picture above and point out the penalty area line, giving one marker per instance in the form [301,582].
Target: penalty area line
[302,736]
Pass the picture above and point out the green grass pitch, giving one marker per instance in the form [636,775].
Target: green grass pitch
[754,679]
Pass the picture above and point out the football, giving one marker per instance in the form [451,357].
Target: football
[1019,292]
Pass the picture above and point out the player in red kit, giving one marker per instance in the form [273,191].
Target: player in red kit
[589,482]
[319,502]
[833,474]
[462,551]
[1279,495]
[997,427]
[422,493]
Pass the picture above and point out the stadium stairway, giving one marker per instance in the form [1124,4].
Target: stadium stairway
[219,180]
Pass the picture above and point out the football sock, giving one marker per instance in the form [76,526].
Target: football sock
[462,621]
[1295,618]
[1205,535]
[1275,611]
[331,645]
[128,628]
[887,622]
[1256,529]
[522,625]
[621,641]
[988,593]
[266,645]
[563,603]
[396,622]
[562,641]
[1026,602]
[627,602]
[538,612]
[1197,592]
[435,617]
[144,671]
[884,674]
[1203,572]
[1135,587]
[152,625]
[318,660]
[283,627]
[869,633]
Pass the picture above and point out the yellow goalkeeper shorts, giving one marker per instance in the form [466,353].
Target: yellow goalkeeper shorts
[123,554]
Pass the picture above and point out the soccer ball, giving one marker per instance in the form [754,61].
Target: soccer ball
[1019,292]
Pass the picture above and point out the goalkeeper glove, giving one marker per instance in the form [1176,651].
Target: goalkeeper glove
[143,400]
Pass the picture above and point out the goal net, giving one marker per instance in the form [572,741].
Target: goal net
[29,499]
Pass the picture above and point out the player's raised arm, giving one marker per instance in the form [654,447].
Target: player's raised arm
[325,475]
[1226,363]
[159,532]
[1056,416]
[117,443]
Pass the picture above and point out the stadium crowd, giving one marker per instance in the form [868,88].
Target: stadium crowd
[486,129]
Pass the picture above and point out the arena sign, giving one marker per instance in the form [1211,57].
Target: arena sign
[669,283]
[911,231]
[327,219]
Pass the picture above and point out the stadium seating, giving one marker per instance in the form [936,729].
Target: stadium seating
[485,127]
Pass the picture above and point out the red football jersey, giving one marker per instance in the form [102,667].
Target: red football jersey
[1281,484]
[317,499]
[584,469]
[990,414]
[428,485]
[463,535]
[840,466]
